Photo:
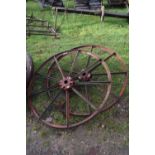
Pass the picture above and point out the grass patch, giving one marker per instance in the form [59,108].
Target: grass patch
[77,30]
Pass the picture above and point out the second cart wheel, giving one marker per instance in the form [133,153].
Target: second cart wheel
[118,70]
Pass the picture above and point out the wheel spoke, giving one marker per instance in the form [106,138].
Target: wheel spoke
[94,65]
[67,71]
[50,106]
[45,77]
[93,83]
[67,108]
[89,57]
[74,62]
[112,73]
[60,69]
[86,93]
[84,98]
[52,88]
[107,58]
[90,68]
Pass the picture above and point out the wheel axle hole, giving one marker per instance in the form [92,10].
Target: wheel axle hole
[84,74]
[65,81]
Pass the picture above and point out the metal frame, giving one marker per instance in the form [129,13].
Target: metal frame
[35,26]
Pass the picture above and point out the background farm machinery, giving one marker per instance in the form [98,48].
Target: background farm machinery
[84,4]
[37,26]
[90,7]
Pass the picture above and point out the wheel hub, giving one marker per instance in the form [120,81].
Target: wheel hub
[85,76]
[66,83]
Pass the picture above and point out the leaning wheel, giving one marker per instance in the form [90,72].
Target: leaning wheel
[65,91]
[118,70]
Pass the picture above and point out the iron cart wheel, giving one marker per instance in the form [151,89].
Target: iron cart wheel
[73,86]
[118,70]
[63,92]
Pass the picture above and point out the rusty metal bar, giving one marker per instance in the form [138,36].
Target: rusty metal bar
[44,34]
[88,61]
[36,26]
[112,73]
[67,108]
[36,20]
[52,88]
[59,68]
[37,33]
[84,98]
[73,63]
[109,56]
[94,66]
[93,82]
[43,26]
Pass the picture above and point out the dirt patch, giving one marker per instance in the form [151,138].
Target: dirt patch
[105,135]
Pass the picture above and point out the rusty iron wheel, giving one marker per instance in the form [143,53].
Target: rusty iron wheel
[63,71]
[64,92]
[118,70]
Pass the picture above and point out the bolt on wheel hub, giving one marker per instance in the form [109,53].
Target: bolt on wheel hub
[66,83]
